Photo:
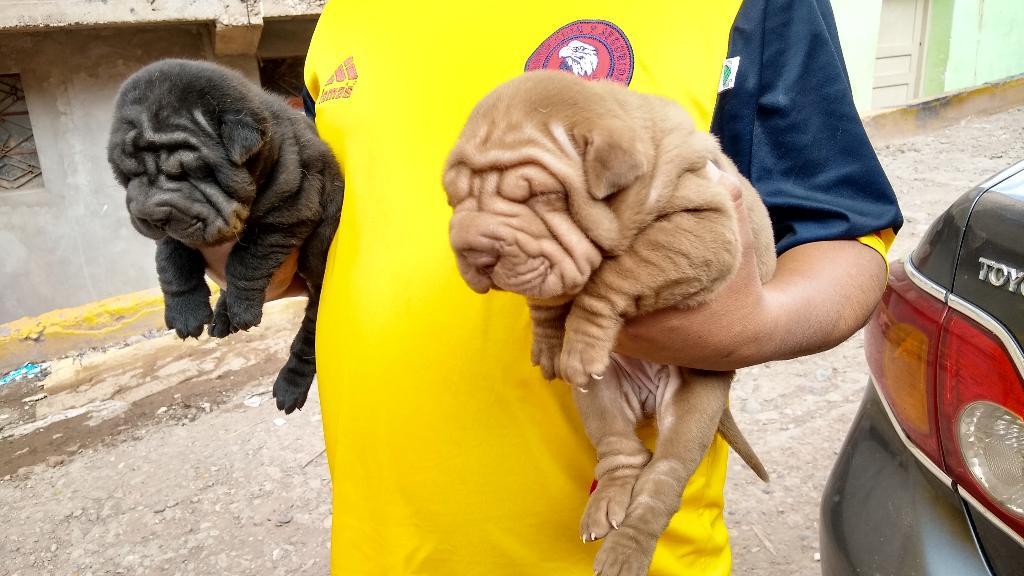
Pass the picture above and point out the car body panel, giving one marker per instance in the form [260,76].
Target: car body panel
[1004,554]
[995,234]
[936,254]
[885,513]
[887,508]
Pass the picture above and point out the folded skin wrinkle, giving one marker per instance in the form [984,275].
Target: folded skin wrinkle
[605,208]
[208,159]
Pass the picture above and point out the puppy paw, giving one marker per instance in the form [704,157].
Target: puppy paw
[624,552]
[221,324]
[606,508]
[187,314]
[244,311]
[582,361]
[545,354]
[292,385]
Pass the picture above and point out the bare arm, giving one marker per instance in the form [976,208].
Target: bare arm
[821,294]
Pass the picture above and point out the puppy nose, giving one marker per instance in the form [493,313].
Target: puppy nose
[484,262]
[156,216]
[480,259]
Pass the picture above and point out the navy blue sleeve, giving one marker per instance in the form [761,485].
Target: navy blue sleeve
[308,105]
[792,129]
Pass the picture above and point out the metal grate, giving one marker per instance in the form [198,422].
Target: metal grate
[19,162]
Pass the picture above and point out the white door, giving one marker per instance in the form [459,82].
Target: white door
[900,52]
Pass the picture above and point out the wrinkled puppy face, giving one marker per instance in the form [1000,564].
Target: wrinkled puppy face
[182,134]
[527,180]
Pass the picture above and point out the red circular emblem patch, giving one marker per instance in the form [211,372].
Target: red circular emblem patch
[591,49]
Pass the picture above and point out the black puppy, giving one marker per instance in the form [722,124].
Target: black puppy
[207,157]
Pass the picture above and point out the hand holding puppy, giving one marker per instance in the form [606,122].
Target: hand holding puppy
[601,205]
[285,283]
[717,333]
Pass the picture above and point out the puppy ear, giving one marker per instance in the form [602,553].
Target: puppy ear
[242,137]
[613,158]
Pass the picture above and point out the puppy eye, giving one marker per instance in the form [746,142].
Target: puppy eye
[196,168]
[174,173]
[176,165]
[128,167]
[548,200]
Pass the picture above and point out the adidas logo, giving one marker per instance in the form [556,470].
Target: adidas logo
[341,83]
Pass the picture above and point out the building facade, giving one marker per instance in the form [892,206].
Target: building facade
[898,51]
[65,238]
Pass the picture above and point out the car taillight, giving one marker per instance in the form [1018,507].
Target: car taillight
[901,343]
[954,390]
[981,401]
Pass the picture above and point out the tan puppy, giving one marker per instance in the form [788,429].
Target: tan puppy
[597,204]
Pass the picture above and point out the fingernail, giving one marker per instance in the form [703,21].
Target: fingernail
[614,525]
[583,390]
[596,377]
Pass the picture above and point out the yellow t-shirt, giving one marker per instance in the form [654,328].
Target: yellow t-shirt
[449,453]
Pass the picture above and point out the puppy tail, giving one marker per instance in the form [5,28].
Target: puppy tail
[731,432]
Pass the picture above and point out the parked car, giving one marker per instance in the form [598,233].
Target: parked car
[930,479]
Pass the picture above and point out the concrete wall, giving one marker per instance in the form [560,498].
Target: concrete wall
[292,8]
[857,21]
[71,242]
[236,24]
[25,15]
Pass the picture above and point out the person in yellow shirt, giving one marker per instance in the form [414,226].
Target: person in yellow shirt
[449,453]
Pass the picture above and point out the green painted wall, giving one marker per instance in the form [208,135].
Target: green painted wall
[985,42]
[968,42]
[857,21]
[963,44]
[1001,45]
[940,25]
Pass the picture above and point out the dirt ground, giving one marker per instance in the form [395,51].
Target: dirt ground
[164,458]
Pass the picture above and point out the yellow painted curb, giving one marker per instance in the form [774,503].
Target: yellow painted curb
[929,114]
[59,332]
[92,318]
